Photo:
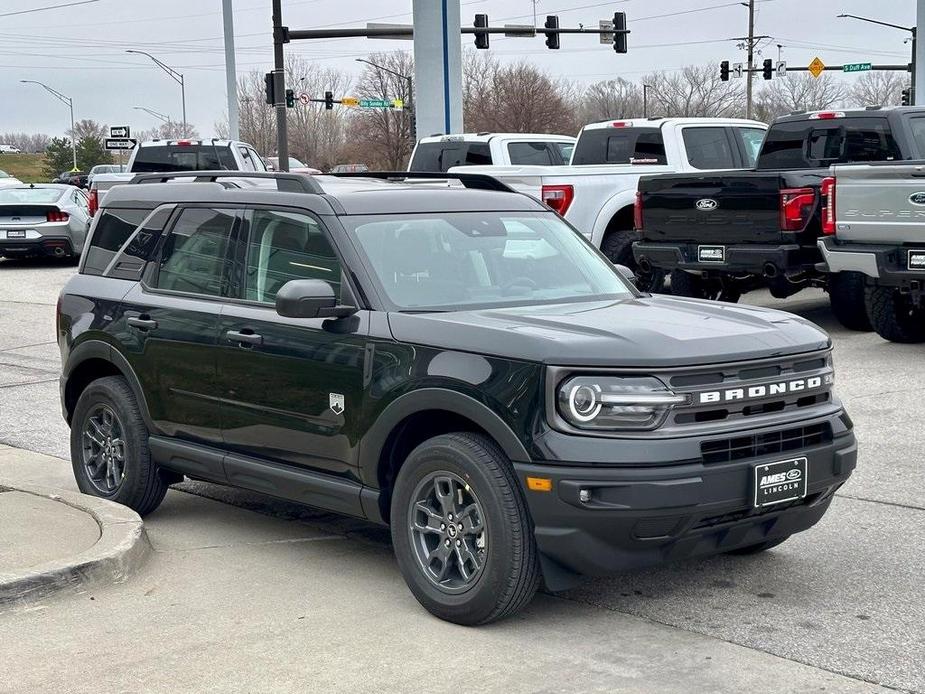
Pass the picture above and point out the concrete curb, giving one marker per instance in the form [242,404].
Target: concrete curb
[121,550]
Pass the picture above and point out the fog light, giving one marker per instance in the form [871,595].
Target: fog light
[584,496]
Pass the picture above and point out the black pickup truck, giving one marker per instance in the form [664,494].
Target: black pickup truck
[723,234]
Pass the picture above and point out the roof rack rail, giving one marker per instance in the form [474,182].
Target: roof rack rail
[476,181]
[285,182]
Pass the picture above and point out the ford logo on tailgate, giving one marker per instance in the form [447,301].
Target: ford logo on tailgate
[917,198]
[707,204]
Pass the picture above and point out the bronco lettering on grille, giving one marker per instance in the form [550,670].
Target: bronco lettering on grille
[761,391]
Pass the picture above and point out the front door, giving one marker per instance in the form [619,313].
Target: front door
[292,388]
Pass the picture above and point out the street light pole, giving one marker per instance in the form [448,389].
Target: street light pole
[912,30]
[70,104]
[175,76]
[154,113]
[409,82]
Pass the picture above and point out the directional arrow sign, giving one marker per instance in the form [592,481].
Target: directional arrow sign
[737,69]
[856,67]
[120,143]
[782,68]
[816,67]
[121,131]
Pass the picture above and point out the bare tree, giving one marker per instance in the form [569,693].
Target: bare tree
[516,98]
[88,128]
[611,99]
[694,91]
[878,89]
[26,142]
[171,130]
[800,93]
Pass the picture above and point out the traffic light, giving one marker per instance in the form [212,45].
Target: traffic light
[290,98]
[328,101]
[271,92]
[619,24]
[767,69]
[724,71]
[552,37]
[481,37]
[907,96]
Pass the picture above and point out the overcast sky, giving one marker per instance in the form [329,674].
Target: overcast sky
[80,50]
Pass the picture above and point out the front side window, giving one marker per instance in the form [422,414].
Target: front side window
[195,254]
[751,139]
[708,148]
[530,154]
[471,260]
[286,246]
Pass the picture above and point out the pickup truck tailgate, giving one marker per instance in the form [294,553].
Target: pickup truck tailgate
[725,208]
[880,203]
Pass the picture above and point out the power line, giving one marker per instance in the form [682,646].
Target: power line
[48,7]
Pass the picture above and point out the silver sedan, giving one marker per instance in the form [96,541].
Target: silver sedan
[43,220]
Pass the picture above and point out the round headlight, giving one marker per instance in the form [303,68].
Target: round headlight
[616,403]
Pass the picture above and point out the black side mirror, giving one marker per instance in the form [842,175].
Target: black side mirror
[310,299]
[626,273]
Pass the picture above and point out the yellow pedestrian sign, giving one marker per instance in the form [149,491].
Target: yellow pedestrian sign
[816,67]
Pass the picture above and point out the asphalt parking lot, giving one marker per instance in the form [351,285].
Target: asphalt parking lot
[844,597]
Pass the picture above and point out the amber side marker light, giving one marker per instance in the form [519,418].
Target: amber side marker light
[539,484]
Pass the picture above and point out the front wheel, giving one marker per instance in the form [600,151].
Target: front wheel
[894,315]
[461,530]
[698,287]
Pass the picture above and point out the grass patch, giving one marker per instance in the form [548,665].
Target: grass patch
[26,167]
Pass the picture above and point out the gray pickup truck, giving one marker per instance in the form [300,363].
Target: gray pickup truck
[874,230]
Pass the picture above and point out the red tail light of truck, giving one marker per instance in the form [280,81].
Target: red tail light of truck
[827,191]
[558,197]
[637,212]
[93,201]
[796,207]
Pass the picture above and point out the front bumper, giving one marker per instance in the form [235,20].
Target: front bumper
[643,516]
[887,264]
[743,259]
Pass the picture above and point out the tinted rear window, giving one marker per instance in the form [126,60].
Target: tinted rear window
[819,143]
[440,156]
[113,228]
[183,158]
[620,146]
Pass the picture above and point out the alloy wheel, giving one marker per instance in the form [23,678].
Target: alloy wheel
[103,445]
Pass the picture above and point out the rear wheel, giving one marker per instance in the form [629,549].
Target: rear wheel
[894,315]
[760,547]
[461,530]
[846,295]
[618,247]
[699,287]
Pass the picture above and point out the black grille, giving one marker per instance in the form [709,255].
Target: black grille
[757,445]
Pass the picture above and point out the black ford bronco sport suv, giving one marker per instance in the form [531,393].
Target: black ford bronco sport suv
[447,357]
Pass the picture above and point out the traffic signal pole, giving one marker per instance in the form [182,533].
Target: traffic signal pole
[751,58]
[279,86]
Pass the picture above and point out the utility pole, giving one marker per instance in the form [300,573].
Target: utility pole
[918,55]
[279,86]
[751,58]
[231,79]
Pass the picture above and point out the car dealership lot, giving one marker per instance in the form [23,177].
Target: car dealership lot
[843,597]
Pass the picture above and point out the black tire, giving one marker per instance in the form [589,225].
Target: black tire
[894,316]
[509,572]
[694,286]
[618,247]
[760,547]
[142,485]
[846,295]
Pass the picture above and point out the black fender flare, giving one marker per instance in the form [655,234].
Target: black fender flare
[424,399]
[97,349]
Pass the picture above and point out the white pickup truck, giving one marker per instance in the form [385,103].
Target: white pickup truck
[597,191]
[165,156]
[441,152]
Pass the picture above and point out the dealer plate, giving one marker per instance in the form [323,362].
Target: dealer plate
[15,234]
[711,254]
[778,482]
[916,259]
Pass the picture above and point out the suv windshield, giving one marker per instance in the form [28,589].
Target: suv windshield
[183,158]
[466,260]
[819,143]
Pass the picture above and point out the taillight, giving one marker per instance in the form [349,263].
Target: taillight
[57,216]
[619,124]
[828,201]
[637,212]
[826,115]
[558,197]
[796,206]
[93,201]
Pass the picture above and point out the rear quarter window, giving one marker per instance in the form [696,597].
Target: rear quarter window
[112,229]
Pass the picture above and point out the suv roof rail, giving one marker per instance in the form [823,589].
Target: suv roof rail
[285,182]
[477,181]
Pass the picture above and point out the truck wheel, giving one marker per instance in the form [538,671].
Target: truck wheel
[109,448]
[846,295]
[461,531]
[618,247]
[685,284]
[760,547]
[894,315]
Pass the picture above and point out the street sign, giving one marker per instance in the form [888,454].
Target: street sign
[816,67]
[119,131]
[737,69]
[304,99]
[120,143]
[606,25]
[350,101]
[375,103]
[782,68]
[855,67]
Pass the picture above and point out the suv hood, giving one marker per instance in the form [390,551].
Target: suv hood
[649,331]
